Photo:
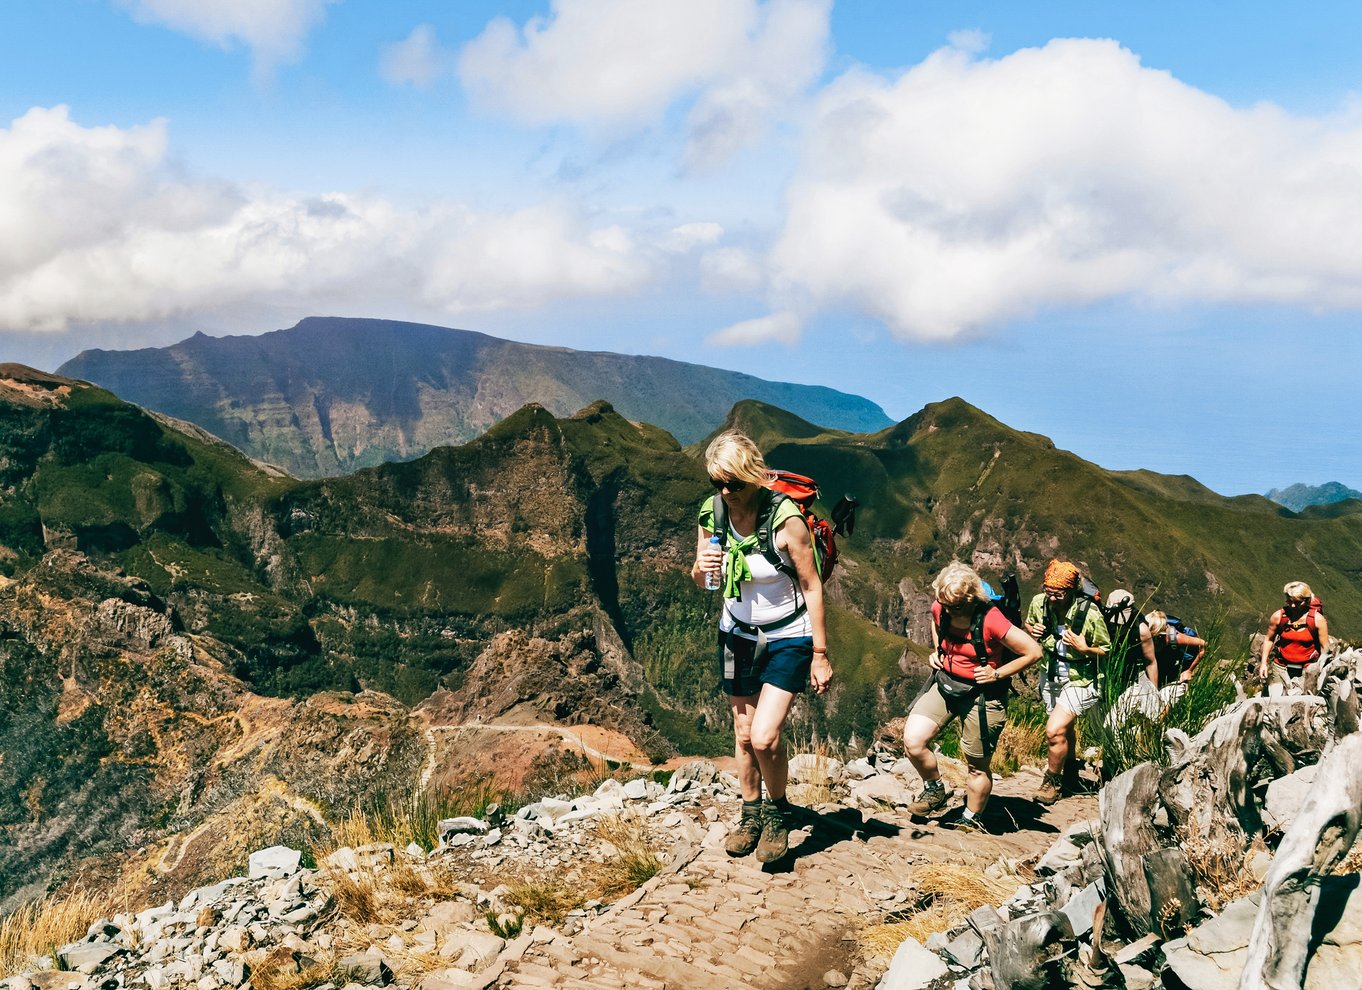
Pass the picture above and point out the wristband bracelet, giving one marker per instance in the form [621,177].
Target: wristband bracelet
[823,651]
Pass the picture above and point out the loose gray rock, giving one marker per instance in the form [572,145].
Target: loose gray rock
[86,957]
[1285,795]
[367,968]
[276,861]
[913,967]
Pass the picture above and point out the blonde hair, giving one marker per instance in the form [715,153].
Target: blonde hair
[732,454]
[1298,589]
[958,583]
[1157,622]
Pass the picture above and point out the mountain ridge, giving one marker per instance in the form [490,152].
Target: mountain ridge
[331,394]
[1299,497]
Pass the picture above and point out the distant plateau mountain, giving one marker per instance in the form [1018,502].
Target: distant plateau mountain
[333,395]
[1297,497]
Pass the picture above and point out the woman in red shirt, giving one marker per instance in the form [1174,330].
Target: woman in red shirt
[1297,635]
[966,686]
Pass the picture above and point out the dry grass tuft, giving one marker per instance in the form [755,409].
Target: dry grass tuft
[634,862]
[947,893]
[284,974]
[407,879]
[1020,744]
[882,941]
[409,815]
[40,927]
[1352,862]
[1217,861]
[358,895]
[545,902]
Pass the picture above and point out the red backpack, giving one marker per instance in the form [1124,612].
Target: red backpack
[803,491]
[1312,612]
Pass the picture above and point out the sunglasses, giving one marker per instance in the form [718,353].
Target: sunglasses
[733,485]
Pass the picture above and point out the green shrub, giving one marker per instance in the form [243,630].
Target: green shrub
[1140,739]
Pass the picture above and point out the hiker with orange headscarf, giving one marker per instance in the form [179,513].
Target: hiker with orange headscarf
[1071,632]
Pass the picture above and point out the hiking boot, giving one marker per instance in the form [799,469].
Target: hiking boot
[743,839]
[1050,788]
[931,798]
[964,824]
[775,833]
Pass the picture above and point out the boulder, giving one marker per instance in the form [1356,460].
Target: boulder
[366,967]
[860,769]
[882,789]
[1128,835]
[276,861]
[1285,795]
[913,967]
[1295,911]
[1021,951]
[86,957]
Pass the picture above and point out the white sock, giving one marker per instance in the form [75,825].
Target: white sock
[969,815]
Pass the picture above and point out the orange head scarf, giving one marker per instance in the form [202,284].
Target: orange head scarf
[1061,576]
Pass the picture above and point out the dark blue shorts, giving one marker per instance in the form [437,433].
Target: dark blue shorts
[784,664]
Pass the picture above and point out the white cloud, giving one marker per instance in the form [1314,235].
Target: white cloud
[417,61]
[732,270]
[783,328]
[273,29]
[624,63]
[95,228]
[966,193]
[970,40]
[689,236]
[785,57]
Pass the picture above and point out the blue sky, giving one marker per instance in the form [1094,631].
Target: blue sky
[1136,228]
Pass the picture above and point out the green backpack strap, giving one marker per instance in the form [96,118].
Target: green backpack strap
[720,509]
[766,539]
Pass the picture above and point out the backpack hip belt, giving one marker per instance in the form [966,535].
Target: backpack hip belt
[752,629]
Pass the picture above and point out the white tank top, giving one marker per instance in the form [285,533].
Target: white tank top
[768,597]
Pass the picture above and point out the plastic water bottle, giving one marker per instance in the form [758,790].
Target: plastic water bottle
[712,577]
[1061,648]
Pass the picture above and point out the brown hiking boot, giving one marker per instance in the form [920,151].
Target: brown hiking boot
[1050,788]
[775,834]
[931,798]
[743,839]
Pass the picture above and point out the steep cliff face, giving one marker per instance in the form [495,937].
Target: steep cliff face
[332,395]
[125,740]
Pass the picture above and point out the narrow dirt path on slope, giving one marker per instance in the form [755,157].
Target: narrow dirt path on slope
[577,740]
[714,923]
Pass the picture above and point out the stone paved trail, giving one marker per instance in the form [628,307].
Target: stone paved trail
[714,923]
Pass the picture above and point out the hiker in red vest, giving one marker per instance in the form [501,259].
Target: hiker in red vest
[772,641]
[1297,635]
[977,650]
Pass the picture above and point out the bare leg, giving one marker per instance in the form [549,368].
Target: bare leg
[918,733]
[1061,738]
[979,785]
[773,705]
[749,771]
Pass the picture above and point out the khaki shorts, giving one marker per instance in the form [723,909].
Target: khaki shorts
[1283,679]
[1077,698]
[935,706]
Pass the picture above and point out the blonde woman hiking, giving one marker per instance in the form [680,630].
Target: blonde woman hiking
[771,639]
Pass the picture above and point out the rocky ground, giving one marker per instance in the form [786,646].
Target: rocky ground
[1228,866]
[704,921]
